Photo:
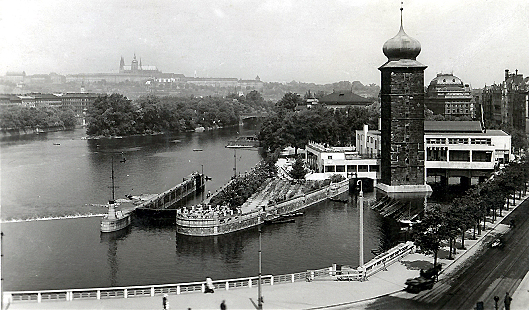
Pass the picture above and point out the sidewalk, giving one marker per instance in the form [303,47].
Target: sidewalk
[305,295]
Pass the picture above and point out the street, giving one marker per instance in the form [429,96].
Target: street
[491,273]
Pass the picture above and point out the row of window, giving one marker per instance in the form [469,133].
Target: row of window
[484,141]
[351,168]
[440,154]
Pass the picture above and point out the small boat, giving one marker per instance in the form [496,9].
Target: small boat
[292,214]
[56,144]
[280,220]
[115,220]
[197,150]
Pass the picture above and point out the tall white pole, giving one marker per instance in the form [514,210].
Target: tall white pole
[259,298]
[361,224]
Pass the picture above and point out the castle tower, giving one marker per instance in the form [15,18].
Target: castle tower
[121,65]
[134,64]
[402,116]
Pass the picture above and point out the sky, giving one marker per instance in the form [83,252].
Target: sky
[312,41]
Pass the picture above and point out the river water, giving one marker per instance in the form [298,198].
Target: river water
[52,186]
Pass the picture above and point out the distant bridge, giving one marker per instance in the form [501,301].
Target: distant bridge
[244,116]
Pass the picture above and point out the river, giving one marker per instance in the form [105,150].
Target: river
[53,186]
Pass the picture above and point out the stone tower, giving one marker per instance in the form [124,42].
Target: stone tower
[402,116]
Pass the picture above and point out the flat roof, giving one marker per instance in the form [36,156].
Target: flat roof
[452,126]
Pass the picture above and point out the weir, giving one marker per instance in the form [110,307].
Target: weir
[164,201]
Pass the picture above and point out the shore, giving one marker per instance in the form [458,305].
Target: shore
[310,295]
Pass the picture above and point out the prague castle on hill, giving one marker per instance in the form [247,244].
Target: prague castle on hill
[135,80]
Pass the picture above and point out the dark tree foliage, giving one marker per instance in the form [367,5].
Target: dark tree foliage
[111,116]
[298,171]
[318,124]
[116,115]
[242,187]
[19,118]
[431,231]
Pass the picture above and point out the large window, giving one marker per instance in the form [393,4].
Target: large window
[340,168]
[436,154]
[459,155]
[329,168]
[482,156]
[362,168]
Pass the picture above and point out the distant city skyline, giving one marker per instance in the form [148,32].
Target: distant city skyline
[279,40]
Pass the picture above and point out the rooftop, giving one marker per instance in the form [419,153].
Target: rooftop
[452,126]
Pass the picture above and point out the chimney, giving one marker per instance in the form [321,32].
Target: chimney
[506,74]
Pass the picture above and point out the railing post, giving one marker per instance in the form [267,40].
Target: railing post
[125,293]
[271,280]
[69,296]
[292,278]
[203,287]
[227,285]
[250,282]
[98,294]
[152,290]
[178,290]
[39,298]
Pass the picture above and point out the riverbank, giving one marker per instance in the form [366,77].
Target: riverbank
[311,295]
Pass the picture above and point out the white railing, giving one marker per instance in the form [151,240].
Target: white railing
[331,273]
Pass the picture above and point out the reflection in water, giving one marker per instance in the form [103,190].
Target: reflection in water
[112,240]
[229,247]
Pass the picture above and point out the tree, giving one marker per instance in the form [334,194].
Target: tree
[429,233]
[289,102]
[298,171]
[110,116]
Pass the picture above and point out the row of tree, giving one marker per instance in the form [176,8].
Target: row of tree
[445,224]
[115,115]
[289,126]
[22,118]
[243,186]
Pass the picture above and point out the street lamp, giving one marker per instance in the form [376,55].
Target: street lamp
[361,207]
[259,297]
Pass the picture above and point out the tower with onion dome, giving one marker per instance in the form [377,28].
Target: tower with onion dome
[402,116]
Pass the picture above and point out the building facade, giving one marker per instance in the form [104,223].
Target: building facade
[402,116]
[507,103]
[447,95]
[454,148]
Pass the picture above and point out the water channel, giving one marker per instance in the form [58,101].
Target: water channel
[52,186]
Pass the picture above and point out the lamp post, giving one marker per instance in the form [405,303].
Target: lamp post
[234,163]
[361,207]
[259,297]
[1,266]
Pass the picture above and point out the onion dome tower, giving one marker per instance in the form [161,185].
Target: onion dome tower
[402,116]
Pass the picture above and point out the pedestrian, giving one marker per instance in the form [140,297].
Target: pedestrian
[209,286]
[165,302]
[223,305]
[507,301]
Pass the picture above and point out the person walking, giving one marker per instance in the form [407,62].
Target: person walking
[223,305]
[507,301]
[165,302]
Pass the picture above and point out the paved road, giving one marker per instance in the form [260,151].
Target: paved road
[494,272]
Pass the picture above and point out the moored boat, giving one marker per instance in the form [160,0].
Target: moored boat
[115,220]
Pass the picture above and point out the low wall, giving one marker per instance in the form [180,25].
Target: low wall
[331,273]
[208,226]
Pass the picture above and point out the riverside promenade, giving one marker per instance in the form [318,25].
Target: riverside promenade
[306,295]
